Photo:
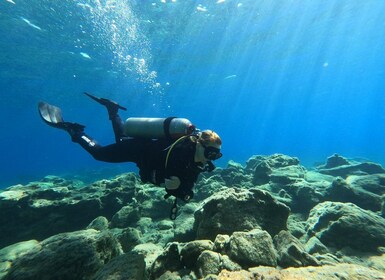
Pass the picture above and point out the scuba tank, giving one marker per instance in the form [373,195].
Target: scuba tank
[157,128]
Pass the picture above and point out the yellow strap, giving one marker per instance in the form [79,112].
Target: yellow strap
[171,147]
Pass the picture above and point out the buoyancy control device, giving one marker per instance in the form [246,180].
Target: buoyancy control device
[157,128]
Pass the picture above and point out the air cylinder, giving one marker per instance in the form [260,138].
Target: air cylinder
[157,128]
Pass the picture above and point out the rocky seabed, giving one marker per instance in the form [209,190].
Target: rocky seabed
[271,218]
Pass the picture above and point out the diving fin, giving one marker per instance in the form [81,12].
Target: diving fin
[52,116]
[111,105]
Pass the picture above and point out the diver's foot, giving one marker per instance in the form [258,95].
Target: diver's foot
[112,106]
[75,130]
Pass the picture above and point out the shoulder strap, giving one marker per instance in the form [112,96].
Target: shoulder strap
[171,147]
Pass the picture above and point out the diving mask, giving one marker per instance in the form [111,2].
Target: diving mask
[212,153]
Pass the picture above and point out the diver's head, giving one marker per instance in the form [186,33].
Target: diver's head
[209,146]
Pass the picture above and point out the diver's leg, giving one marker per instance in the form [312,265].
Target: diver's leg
[112,108]
[117,126]
[127,150]
[124,151]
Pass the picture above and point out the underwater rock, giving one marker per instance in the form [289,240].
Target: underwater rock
[191,251]
[207,186]
[330,272]
[296,224]
[149,202]
[11,253]
[234,174]
[37,212]
[335,161]
[266,168]
[129,266]
[341,191]
[125,217]
[59,256]
[150,252]
[371,183]
[274,161]
[291,252]
[169,260]
[128,237]
[210,262]
[183,225]
[100,223]
[262,173]
[305,195]
[288,174]
[237,210]
[339,225]
[221,243]
[252,248]
[350,168]
[383,210]
[231,217]
[319,178]
[168,275]
[314,245]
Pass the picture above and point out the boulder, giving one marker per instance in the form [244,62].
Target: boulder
[184,224]
[210,262]
[274,161]
[150,252]
[12,252]
[305,196]
[314,245]
[191,251]
[221,243]
[262,173]
[252,248]
[74,255]
[45,208]
[288,174]
[338,225]
[168,275]
[371,183]
[341,191]
[265,168]
[351,168]
[206,187]
[236,209]
[291,253]
[234,174]
[169,260]
[128,238]
[296,225]
[100,223]
[127,216]
[335,161]
[128,266]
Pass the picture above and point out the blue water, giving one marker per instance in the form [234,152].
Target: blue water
[303,78]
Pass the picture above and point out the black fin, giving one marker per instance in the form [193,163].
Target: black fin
[106,102]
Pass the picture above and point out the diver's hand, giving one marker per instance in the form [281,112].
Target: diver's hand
[172,183]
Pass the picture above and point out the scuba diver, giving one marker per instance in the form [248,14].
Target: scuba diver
[169,152]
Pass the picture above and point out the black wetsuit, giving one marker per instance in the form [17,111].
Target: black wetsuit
[150,157]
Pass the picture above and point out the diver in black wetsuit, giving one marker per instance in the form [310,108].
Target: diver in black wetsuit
[174,164]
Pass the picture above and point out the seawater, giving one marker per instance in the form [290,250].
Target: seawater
[303,78]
